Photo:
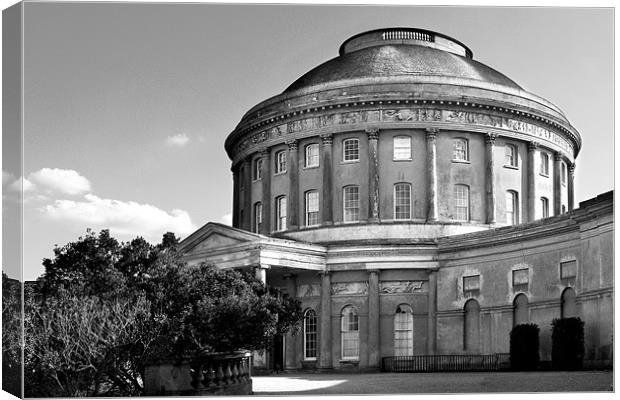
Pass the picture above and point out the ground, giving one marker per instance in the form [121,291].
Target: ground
[461,382]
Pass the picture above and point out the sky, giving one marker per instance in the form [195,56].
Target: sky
[127,106]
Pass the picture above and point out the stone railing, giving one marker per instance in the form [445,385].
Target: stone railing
[204,374]
[448,362]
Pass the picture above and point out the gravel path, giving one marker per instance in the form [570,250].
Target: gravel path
[461,382]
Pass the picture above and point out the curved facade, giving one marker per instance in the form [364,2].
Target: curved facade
[416,202]
[403,127]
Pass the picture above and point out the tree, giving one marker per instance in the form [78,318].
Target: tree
[524,345]
[11,335]
[112,306]
[567,339]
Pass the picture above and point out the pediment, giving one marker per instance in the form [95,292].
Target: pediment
[214,236]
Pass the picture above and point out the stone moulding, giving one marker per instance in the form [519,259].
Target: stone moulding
[457,118]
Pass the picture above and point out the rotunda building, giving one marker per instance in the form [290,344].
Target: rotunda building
[418,203]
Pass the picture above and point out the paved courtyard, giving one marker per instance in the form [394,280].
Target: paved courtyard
[462,382]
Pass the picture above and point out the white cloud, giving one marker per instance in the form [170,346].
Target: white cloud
[7,177]
[21,184]
[226,219]
[66,181]
[122,218]
[179,140]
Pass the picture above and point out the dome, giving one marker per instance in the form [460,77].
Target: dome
[401,52]
[400,60]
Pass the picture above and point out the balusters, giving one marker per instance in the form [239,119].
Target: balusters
[196,373]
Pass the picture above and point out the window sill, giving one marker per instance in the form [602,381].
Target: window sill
[545,175]
[311,167]
[279,173]
[256,180]
[510,166]
[401,159]
[354,361]
[349,161]
[461,161]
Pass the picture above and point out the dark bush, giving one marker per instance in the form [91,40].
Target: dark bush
[567,344]
[524,347]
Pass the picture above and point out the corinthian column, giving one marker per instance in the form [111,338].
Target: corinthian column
[557,184]
[265,226]
[327,179]
[431,344]
[571,187]
[531,180]
[293,186]
[431,173]
[489,141]
[325,337]
[235,219]
[374,342]
[373,175]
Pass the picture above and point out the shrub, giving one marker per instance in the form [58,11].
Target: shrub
[524,347]
[567,344]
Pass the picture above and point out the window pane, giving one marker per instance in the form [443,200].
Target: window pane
[351,150]
[511,208]
[312,155]
[568,269]
[280,162]
[403,332]
[281,213]
[544,164]
[258,216]
[544,203]
[350,333]
[312,208]
[520,277]
[402,148]
[471,283]
[402,201]
[461,202]
[511,156]
[351,203]
[460,149]
[310,335]
[258,169]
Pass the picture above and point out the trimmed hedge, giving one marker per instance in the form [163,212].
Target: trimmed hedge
[567,344]
[524,344]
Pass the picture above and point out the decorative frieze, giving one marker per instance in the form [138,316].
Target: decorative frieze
[407,115]
[348,288]
[396,287]
[309,290]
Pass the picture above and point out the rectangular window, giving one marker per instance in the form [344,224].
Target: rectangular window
[402,201]
[403,331]
[512,210]
[544,204]
[310,335]
[544,163]
[563,173]
[258,169]
[351,203]
[471,285]
[461,202]
[280,162]
[568,269]
[258,216]
[511,155]
[520,280]
[460,151]
[312,208]
[350,335]
[402,148]
[312,155]
[350,150]
[281,213]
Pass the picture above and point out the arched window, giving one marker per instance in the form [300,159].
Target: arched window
[280,162]
[569,306]
[512,207]
[402,148]
[460,150]
[461,202]
[563,172]
[349,333]
[544,204]
[544,163]
[471,330]
[402,201]
[511,155]
[351,203]
[281,213]
[257,169]
[312,208]
[258,216]
[312,155]
[521,313]
[310,335]
[563,208]
[350,150]
[403,331]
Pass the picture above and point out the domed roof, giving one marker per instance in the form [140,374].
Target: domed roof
[376,58]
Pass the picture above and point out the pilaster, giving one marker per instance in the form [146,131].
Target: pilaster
[557,184]
[373,175]
[489,141]
[531,180]
[293,185]
[247,194]
[327,180]
[265,227]
[235,219]
[431,173]
[431,344]
[325,330]
[374,327]
[290,340]
[571,186]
